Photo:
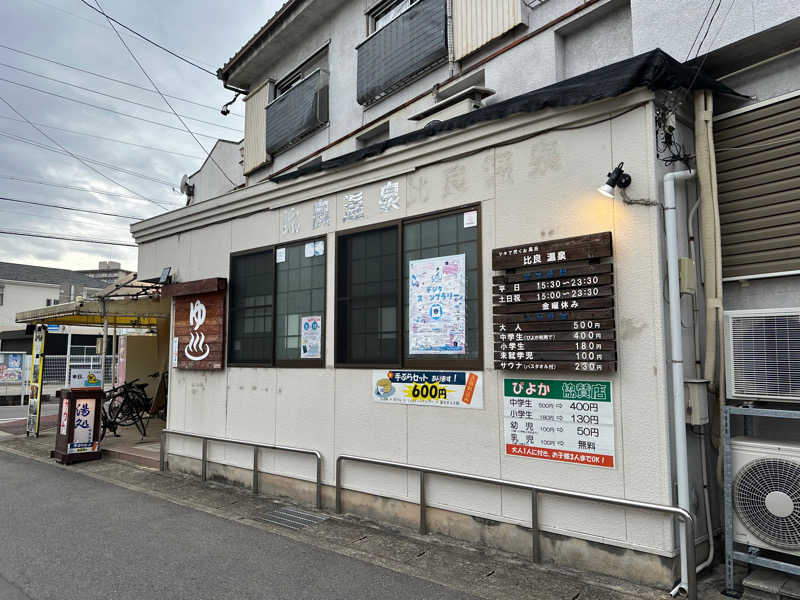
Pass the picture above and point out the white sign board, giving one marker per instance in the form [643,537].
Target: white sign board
[436,305]
[565,421]
[85,378]
[460,389]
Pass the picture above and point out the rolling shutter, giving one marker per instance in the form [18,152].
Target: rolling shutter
[758,174]
[255,128]
[477,22]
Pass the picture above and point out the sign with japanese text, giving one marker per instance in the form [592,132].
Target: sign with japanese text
[554,306]
[83,438]
[436,305]
[200,330]
[85,378]
[311,337]
[11,368]
[37,372]
[461,389]
[565,421]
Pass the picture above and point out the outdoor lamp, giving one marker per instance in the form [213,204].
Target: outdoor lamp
[617,178]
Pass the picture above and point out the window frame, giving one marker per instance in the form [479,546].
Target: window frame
[298,363]
[437,362]
[301,71]
[382,9]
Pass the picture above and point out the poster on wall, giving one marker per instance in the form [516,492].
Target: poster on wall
[436,305]
[565,421]
[311,337]
[460,389]
[11,368]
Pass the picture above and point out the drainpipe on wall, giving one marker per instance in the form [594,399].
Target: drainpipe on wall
[712,250]
[676,363]
[451,52]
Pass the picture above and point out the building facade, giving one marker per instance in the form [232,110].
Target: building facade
[393,145]
[107,272]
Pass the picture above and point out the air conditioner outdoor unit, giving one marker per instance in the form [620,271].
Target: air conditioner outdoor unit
[766,494]
[762,354]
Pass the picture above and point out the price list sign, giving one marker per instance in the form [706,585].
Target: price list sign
[565,421]
[553,306]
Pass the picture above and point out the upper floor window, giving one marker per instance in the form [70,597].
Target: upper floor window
[318,61]
[386,12]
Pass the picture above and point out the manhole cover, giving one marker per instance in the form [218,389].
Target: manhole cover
[292,518]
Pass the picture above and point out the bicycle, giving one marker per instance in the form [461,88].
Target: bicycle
[124,406]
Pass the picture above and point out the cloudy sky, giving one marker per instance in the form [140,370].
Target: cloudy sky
[206,32]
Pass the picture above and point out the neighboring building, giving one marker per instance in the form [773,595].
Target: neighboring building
[220,173]
[24,287]
[107,272]
[456,130]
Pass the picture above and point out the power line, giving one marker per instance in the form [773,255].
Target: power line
[37,234]
[104,28]
[108,139]
[80,160]
[93,91]
[157,45]
[84,210]
[155,87]
[35,89]
[120,81]
[88,159]
[76,188]
[697,35]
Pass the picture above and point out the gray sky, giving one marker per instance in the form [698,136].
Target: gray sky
[205,31]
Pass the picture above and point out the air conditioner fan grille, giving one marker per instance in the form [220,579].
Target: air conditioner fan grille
[766,496]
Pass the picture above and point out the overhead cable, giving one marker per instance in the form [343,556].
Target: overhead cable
[146,39]
[35,89]
[155,87]
[76,157]
[702,24]
[78,189]
[106,77]
[88,159]
[49,236]
[72,208]
[108,139]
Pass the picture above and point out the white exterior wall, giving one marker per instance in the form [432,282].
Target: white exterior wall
[532,190]
[19,296]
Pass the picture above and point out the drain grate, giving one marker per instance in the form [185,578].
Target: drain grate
[292,518]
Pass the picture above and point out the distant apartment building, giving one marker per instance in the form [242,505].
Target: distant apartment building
[107,272]
[24,287]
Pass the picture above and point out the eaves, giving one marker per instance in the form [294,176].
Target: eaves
[400,160]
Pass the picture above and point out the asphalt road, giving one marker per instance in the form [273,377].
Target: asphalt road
[20,412]
[66,536]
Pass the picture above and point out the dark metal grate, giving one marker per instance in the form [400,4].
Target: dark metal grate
[293,518]
[298,112]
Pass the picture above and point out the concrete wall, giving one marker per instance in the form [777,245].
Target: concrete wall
[211,179]
[536,189]
[19,296]
[601,34]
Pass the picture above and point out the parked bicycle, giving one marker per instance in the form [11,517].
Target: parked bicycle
[126,405]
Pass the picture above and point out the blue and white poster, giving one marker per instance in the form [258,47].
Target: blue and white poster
[436,305]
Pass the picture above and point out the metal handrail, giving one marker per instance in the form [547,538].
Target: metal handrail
[256,447]
[676,511]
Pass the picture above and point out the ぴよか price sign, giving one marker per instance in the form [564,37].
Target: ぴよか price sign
[460,389]
[565,421]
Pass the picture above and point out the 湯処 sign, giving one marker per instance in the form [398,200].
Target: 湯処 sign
[554,306]
[199,324]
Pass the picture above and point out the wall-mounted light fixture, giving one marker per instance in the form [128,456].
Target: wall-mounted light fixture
[617,178]
[226,108]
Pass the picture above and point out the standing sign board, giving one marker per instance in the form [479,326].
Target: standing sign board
[199,324]
[554,306]
[37,371]
[78,433]
[85,378]
[566,421]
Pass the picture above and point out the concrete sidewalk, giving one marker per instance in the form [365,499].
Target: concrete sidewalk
[472,570]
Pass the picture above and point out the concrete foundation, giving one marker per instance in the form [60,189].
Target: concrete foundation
[559,550]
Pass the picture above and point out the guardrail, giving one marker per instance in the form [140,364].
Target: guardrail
[676,511]
[256,448]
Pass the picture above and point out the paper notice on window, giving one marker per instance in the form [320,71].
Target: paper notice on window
[471,219]
[436,305]
[280,255]
[309,249]
[311,337]
[319,247]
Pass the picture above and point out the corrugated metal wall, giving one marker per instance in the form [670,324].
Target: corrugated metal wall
[476,22]
[758,171]
[255,128]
